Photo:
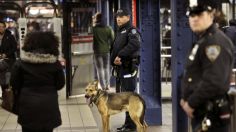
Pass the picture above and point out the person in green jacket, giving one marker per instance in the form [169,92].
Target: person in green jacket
[103,36]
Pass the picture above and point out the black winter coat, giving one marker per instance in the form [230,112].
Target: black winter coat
[9,46]
[38,77]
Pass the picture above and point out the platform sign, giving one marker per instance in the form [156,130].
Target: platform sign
[22,28]
[134,13]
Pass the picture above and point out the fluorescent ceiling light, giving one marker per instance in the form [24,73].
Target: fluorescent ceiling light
[34,11]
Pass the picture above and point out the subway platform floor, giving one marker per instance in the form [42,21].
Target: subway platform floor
[77,116]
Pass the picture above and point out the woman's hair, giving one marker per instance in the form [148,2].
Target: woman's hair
[35,25]
[219,18]
[41,42]
[98,17]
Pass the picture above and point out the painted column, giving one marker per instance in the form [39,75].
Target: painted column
[150,77]
[181,41]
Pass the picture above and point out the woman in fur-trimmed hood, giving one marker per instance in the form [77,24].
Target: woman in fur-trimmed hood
[37,77]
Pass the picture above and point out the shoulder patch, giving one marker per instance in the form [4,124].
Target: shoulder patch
[133,31]
[212,52]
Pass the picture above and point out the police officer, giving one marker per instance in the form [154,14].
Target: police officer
[125,59]
[208,69]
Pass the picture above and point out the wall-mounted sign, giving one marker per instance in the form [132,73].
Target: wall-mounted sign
[134,13]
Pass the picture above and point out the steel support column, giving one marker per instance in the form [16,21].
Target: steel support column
[150,77]
[181,42]
[108,12]
[119,4]
[66,41]
[105,11]
[233,10]
[112,10]
[99,6]
[125,4]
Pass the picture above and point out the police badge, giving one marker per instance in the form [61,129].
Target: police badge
[212,52]
[133,31]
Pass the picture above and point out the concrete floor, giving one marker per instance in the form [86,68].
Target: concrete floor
[77,116]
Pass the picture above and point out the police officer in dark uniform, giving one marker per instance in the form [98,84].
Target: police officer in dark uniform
[125,59]
[207,71]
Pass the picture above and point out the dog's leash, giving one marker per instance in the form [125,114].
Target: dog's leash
[96,98]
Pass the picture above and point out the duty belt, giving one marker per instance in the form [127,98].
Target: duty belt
[130,75]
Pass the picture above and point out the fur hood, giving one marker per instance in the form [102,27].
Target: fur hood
[37,57]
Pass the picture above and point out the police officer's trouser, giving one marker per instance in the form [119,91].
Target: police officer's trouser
[128,84]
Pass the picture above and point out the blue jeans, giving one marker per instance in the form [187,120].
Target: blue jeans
[103,69]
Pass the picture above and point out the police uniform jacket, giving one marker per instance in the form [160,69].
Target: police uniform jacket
[208,68]
[126,44]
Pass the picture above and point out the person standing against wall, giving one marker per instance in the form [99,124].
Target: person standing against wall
[36,78]
[8,48]
[103,36]
[125,59]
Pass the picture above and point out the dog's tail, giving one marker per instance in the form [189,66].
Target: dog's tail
[142,121]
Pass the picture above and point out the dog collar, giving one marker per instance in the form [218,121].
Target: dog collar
[96,98]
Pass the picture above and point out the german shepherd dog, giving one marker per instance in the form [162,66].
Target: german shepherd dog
[113,103]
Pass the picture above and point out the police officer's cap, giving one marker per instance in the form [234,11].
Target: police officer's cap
[122,12]
[198,6]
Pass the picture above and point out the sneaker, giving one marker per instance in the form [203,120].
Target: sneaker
[105,89]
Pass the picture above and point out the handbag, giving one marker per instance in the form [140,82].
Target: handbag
[3,65]
[4,72]
[5,78]
[9,101]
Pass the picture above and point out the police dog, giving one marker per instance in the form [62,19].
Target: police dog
[113,103]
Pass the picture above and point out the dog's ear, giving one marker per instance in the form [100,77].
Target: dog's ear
[89,84]
[96,84]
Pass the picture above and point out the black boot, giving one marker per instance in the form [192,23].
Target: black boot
[119,129]
[118,90]
[129,125]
